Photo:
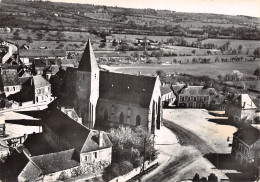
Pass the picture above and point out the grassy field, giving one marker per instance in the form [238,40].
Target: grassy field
[247,44]
[211,70]
[153,37]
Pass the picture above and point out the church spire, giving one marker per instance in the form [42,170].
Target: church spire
[88,60]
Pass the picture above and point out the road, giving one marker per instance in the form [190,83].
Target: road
[197,137]
[186,138]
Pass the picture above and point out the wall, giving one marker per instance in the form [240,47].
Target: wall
[43,94]
[102,155]
[9,90]
[117,109]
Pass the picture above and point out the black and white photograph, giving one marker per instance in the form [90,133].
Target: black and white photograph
[130,90]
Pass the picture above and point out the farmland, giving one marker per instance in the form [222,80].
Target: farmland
[247,44]
[211,70]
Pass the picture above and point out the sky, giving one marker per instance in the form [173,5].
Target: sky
[228,7]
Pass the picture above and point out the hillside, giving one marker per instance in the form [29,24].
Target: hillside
[95,19]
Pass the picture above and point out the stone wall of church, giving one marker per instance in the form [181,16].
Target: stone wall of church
[109,112]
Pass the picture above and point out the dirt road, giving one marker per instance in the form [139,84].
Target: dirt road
[188,154]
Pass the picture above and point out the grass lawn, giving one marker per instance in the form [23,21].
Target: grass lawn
[212,69]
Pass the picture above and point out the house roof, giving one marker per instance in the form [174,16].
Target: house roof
[93,142]
[244,101]
[88,60]
[36,144]
[9,77]
[30,172]
[39,81]
[66,128]
[165,89]
[31,53]
[248,135]
[129,89]
[197,90]
[54,162]
[177,88]
[64,62]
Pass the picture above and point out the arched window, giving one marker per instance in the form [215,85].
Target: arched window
[121,117]
[138,120]
[105,115]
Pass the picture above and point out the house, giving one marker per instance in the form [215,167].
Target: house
[108,98]
[246,146]
[9,82]
[26,54]
[4,149]
[241,107]
[64,148]
[2,128]
[8,49]
[168,96]
[72,114]
[217,102]
[194,96]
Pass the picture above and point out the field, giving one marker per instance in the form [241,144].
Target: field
[211,70]
[152,37]
[247,44]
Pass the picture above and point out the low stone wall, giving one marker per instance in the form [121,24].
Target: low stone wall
[134,172]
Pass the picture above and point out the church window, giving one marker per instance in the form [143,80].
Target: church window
[138,120]
[121,117]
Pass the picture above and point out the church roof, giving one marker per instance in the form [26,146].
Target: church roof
[129,89]
[88,60]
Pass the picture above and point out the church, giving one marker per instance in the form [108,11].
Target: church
[108,99]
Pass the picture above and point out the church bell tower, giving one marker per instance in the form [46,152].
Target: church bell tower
[87,87]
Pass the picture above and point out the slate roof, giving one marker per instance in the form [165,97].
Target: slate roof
[66,128]
[54,162]
[31,53]
[30,172]
[129,89]
[37,145]
[39,81]
[9,77]
[248,135]
[88,60]
[244,99]
[93,142]
[197,90]
[165,89]
[177,88]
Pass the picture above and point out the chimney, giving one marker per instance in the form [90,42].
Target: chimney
[101,138]
[244,105]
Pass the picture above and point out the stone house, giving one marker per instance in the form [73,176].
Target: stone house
[26,54]
[246,146]
[64,149]
[241,107]
[9,82]
[168,96]
[194,97]
[107,98]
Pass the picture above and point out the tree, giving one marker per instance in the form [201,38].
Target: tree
[237,75]
[257,52]
[40,35]
[257,71]
[161,74]
[16,34]
[128,144]
[240,47]
[29,39]
[136,55]
[212,178]
[102,45]
[60,35]
[193,51]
